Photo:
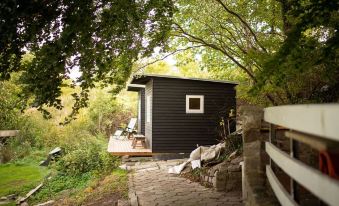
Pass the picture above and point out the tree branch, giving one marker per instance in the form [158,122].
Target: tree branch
[215,47]
[219,37]
[233,39]
[244,22]
[194,39]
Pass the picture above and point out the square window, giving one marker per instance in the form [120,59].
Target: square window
[194,103]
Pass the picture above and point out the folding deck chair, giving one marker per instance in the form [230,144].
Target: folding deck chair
[128,131]
[130,128]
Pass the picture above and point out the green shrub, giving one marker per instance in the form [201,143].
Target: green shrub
[61,183]
[6,154]
[92,126]
[14,150]
[106,114]
[88,157]
[10,103]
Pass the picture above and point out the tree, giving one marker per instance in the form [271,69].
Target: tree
[306,65]
[160,67]
[281,46]
[10,103]
[101,37]
[230,34]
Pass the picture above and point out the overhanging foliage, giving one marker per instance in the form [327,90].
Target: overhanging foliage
[102,38]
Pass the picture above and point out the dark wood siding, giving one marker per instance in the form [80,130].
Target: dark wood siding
[148,125]
[175,131]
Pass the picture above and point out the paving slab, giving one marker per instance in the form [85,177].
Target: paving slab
[152,185]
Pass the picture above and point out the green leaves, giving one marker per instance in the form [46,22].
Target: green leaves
[234,35]
[288,50]
[101,38]
[305,67]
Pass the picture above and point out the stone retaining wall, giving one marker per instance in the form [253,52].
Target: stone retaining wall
[225,176]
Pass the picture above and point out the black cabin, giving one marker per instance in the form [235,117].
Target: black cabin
[175,114]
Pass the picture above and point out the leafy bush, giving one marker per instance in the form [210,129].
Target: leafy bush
[106,113]
[61,183]
[6,154]
[88,157]
[77,190]
[14,150]
[102,117]
[114,183]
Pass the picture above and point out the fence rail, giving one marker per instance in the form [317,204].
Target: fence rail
[9,133]
[314,125]
[319,120]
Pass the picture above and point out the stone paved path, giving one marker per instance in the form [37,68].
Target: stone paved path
[150,184]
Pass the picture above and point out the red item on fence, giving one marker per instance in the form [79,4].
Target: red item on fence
[329,163]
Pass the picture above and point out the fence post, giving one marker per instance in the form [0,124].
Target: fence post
[255,157]
[272,139]
[294,153]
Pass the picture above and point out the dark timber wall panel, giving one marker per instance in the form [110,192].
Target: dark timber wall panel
[175,131]
[148,125]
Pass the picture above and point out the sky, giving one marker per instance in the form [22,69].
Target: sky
[76,73]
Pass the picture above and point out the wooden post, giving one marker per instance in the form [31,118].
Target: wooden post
[294,153]
[272,139]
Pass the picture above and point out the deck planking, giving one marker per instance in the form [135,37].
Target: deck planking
[124,147]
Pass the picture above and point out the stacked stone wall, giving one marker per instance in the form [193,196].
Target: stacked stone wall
[225,176]
[256,190]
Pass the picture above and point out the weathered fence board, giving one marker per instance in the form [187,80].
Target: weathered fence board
[319,184]
[9,133]
[315,142]
[283,196]
[319,120]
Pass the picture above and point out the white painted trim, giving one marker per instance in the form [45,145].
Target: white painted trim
[322,186]
[184,78]
[136,85]
[283,196]
[196,111]
[315,119]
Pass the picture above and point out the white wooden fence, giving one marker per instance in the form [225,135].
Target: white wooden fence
[314,125]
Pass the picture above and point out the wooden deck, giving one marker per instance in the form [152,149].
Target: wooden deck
[124,147]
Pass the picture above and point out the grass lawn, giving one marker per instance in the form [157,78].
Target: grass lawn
[20,177]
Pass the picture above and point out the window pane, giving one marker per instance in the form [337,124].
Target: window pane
[194,103]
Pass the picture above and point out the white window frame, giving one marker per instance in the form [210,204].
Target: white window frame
[148,108]
[195,111]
